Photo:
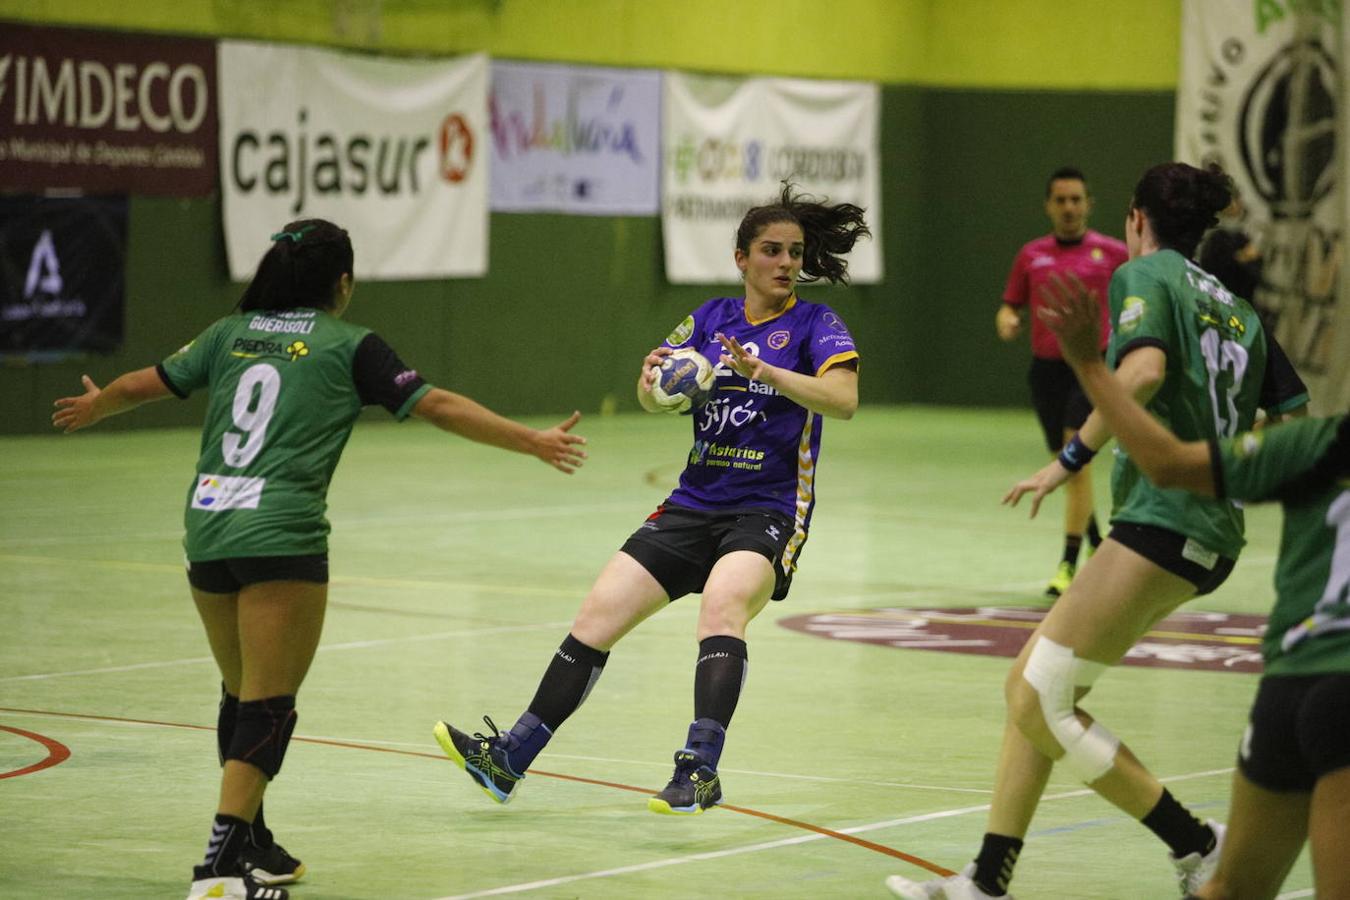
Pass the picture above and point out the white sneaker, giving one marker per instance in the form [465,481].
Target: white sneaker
[955,887]
[234,887]
[1193,869]
[218,887]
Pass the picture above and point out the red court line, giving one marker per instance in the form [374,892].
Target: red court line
[57,752]
[794,823]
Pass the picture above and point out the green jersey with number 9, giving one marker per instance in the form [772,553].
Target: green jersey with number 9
[1216,361]
[1305,464]
[284,396]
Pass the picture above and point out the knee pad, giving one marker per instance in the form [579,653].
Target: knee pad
[261,733]
[226,717]
[1054,672]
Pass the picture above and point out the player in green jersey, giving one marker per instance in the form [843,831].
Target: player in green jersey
[286,378]
[1196,355]
[1293,778]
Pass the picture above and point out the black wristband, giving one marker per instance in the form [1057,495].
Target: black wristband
[1075,454]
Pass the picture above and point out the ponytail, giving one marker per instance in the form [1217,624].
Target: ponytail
[301,269]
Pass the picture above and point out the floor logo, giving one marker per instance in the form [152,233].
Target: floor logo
[1213,641]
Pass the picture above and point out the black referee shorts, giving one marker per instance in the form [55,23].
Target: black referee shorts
[1059,401]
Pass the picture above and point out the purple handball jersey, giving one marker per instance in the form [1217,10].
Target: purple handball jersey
[754,448]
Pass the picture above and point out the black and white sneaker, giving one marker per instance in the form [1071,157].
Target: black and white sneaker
[271,865]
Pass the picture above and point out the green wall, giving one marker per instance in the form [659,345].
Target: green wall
[1099,44]
[571,303]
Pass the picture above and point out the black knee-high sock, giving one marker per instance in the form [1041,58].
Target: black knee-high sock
[1093,535]
[228,835]
[1072,544]
[567,681]
[1182,832]
[225,722]
[719,676]
[994,865]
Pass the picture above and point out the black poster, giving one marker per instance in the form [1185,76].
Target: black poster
[62,268]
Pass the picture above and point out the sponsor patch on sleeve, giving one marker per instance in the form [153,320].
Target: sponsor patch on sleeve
[1130,315]
[682,332]
[1248,444]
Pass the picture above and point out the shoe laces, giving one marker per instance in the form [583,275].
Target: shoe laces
[687,764]
[496,732]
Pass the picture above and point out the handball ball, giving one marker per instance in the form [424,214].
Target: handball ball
[684,381]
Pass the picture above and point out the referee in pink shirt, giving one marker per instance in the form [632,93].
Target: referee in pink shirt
[1060,403]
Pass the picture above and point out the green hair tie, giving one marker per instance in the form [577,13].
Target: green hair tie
[294,235]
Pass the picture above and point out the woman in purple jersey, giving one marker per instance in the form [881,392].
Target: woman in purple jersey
[734,527]
[263,607]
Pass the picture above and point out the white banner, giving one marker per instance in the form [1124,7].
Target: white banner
[392,150]
[729,142]
[575,140]
[1259,94]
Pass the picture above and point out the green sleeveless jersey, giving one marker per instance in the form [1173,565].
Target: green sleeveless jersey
[283,400]
[1216,361]
[1303,464]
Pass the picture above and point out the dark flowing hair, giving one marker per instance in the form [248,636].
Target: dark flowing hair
[301,268]
[829,231]
[1182,203]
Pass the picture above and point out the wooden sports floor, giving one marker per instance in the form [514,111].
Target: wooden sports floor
[863,745]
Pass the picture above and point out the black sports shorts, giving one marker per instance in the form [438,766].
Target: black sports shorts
[1059,400]
[1299,730]
[1176,553]
[227,576]
[679,546]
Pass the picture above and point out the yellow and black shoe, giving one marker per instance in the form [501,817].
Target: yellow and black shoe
[694,787]
[1060,583]
[483,757]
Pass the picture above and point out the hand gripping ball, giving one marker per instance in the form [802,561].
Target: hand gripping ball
[684,381]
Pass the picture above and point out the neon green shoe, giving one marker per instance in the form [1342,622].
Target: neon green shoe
[1060,583]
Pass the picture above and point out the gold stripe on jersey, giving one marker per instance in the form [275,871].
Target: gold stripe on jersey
[836,360]
[806,493]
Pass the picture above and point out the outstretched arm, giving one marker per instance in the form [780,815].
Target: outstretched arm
[467,418]
[1139,375]
[1071,313]
[96,404]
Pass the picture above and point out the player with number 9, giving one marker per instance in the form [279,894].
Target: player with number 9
[286,378]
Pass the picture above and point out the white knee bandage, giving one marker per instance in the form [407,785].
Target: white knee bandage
[1054,672]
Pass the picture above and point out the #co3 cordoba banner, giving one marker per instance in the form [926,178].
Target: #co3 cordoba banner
[392,150]
[1259,94]
[730,142]
[573,139]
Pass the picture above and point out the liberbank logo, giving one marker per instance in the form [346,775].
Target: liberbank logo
[302,163]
